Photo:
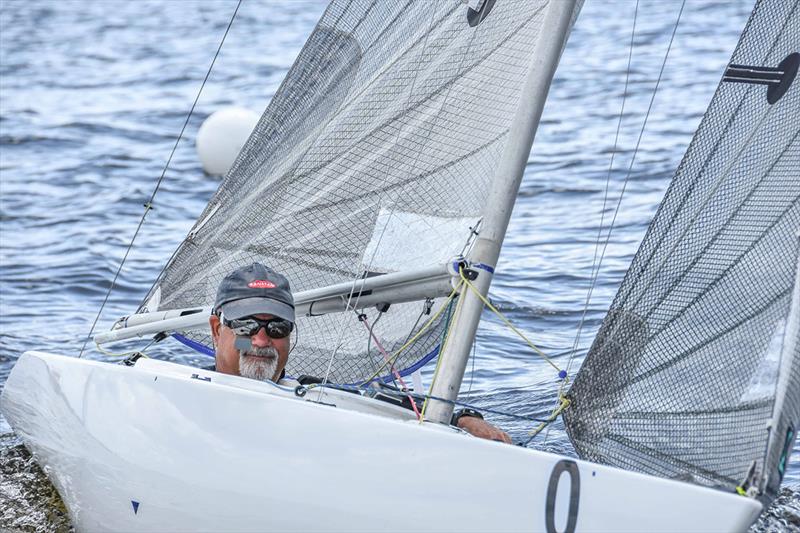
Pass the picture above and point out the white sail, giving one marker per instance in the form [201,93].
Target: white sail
[376,156]
[681,379]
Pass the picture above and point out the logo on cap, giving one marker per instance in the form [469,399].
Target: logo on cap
[261,284]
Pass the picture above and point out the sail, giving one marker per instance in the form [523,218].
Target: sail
[702,337]
[374,157]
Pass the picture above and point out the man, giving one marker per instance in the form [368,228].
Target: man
[251,323]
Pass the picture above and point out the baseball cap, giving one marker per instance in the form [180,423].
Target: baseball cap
[253,290]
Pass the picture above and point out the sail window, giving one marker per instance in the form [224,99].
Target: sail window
[404,238]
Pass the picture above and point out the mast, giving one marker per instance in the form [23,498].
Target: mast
[500,203]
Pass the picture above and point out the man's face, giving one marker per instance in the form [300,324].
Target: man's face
[265,360]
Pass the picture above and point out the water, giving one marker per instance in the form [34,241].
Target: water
[92,96]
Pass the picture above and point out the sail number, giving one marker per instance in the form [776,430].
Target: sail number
[574,496]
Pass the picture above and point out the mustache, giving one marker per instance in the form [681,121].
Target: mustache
[266,351]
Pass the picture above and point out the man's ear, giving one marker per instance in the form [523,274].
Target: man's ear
[215,324]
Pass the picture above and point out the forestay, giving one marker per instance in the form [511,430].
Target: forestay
[695,373]
[374,156]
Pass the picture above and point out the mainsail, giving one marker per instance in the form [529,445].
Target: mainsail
[695,373]
[375,156]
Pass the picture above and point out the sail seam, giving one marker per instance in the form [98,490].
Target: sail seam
[701,208]
[686,353]
[724,273]
[711,154]
[398,116]
[658,415]
[691,467]
[718,234]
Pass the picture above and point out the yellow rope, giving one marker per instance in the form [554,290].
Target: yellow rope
[413,339]
[439,359]
[564,403]
[120,354]
[507,322]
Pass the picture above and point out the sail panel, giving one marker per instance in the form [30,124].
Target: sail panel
[682,378]
[374,156]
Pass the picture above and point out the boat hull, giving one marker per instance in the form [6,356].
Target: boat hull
[157,447]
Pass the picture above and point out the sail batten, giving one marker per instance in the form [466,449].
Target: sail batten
[684,374]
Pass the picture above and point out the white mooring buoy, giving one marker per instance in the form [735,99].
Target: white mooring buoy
[221,137]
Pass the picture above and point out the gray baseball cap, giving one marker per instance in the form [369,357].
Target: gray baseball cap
[255,290]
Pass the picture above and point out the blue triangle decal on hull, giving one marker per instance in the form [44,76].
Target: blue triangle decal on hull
[135,506]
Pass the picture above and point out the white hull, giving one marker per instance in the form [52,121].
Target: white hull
[237,455]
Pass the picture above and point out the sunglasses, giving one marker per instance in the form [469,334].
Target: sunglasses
[276,328]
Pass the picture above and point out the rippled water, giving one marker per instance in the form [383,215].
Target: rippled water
[93,94]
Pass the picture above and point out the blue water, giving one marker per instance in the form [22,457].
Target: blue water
[93,95]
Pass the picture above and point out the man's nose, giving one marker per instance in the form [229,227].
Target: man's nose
[261,339]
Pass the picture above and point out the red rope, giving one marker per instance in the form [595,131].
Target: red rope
[386,357]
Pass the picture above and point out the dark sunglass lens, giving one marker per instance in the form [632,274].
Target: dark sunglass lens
[244,327]
[247,327]
[278,329]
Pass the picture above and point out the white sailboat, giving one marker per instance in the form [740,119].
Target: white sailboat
[381,180]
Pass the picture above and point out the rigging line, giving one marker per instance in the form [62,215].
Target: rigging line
[562,402]
[595,272]
[422,397]
[124,354]
[386,357]
[473,234]
[149,205]
[508,323]
[718,144]
[369,336]
[443,345]
[419,317]
[723,176]
[630,166]
[422,330]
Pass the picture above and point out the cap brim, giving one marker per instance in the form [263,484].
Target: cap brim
[257,306]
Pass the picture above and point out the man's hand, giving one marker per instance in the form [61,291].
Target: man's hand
[483,429]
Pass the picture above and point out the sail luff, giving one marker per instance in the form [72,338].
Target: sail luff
[786,415]
[500,203]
